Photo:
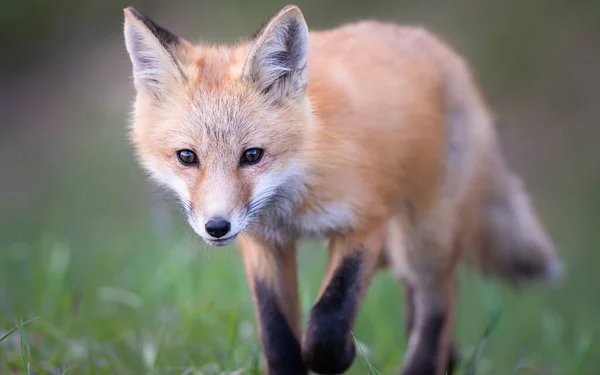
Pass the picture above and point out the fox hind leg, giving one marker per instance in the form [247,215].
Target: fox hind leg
[429,332]
[426,270]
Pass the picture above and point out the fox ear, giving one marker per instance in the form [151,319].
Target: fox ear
[277,60]
[152,50]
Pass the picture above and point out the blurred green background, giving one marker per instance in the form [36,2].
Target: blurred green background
[120,285]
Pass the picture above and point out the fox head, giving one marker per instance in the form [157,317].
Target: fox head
[220,125]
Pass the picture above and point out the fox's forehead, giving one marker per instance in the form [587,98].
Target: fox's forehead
[214,66]
[224,117]
[219,105]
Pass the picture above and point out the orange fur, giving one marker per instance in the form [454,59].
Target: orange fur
[384,136]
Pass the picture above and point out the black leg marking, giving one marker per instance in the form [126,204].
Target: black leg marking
[281,347]
[409,303]
[453,360]
[328,345]
[424,357]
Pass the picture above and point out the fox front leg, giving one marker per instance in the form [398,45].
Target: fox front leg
[328,346]
[272,277]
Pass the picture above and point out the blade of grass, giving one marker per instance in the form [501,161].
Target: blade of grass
[12,330]
[472,362]
[372,369]
[24,345]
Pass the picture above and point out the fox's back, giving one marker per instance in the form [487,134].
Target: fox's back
[382,95]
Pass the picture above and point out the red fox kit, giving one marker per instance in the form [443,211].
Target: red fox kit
[371,135]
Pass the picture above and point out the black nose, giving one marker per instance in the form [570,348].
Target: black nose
[217,228]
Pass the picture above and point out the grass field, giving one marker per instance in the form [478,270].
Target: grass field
[135,307]
[118,285]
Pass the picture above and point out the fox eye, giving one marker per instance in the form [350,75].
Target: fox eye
[187,157]
[251,156]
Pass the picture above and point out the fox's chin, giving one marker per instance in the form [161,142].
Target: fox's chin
[221,241]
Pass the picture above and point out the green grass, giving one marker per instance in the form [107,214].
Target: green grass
[144,308]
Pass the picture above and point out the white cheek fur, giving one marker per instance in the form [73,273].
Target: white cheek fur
[170,180]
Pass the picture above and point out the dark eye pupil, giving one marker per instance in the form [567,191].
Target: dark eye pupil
[252,156]
[187,157]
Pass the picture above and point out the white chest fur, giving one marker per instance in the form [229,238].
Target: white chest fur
[280,227]
[331,216]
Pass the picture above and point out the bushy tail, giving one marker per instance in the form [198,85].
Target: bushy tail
[512,243]
[508,240]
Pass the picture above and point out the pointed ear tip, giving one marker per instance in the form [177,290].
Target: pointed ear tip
[291,9]
[129,12]
[132,13]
